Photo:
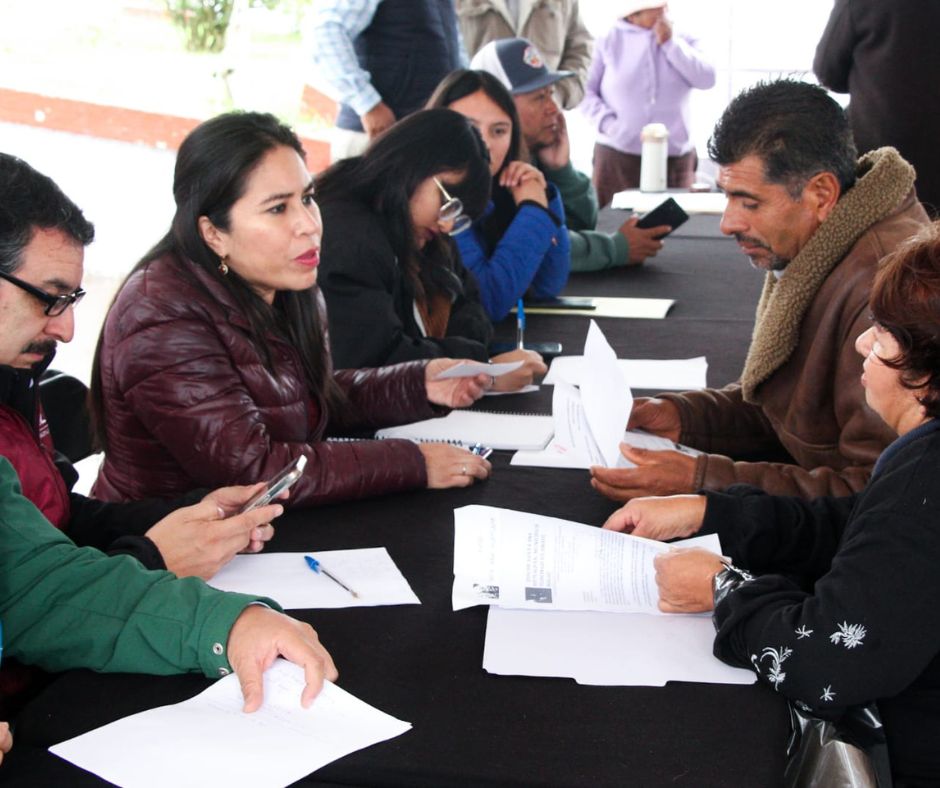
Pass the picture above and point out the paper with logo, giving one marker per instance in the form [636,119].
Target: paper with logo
[521,560]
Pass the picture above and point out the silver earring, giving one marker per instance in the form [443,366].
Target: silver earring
[223,267]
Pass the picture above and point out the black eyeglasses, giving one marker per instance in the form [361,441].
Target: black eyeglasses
[55,305]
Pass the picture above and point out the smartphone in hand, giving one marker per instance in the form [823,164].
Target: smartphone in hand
[667,212]
[280,482]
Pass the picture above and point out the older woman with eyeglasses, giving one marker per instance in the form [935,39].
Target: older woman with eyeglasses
[393,280]
[213,366]
[840,605]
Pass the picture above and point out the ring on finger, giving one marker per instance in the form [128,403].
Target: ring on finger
[463,470]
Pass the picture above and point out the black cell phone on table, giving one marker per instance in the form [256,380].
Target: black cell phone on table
[283,479]
[667,212]
[562,303]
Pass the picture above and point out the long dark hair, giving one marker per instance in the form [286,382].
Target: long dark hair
[386,176]
[465,82]
[212,168]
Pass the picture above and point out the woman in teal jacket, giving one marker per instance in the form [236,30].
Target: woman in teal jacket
[519,247]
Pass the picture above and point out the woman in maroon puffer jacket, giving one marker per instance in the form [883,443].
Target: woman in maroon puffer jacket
[212,367]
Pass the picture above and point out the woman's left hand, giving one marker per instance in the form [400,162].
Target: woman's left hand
[684,577]
[518,172]
[453,392]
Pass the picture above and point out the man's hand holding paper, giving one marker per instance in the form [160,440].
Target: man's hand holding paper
[656,416]
[657,472]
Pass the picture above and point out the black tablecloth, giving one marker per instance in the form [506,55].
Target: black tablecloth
[423,663]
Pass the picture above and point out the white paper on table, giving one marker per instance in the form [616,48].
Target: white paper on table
[606,397]
[604,306]
[524,390]
[521,560]
[641,373]
[609,649]
[467,369]
[209,740]
[588,421]
[558,455]
[690,202]
[286,578]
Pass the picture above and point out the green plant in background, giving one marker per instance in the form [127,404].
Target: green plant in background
[202,22]
[205,22]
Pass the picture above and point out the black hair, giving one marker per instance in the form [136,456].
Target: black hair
[31,200]
[795,128]
[464,82]
[212,169]
[396,163]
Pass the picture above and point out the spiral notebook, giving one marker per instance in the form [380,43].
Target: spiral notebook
[510,431]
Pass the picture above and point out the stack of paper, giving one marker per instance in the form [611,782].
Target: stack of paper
[589,422]
[610,649]
[571,600]
[521,560]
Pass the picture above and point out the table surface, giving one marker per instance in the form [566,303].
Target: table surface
[423,663]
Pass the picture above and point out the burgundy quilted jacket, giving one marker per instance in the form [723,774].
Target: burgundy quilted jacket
[189,402]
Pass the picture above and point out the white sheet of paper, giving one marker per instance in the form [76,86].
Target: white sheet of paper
[557,455]
[467,369]
[609,649]
[641,373]
[521,560]
[690,202]
[647,308]
[532,387]
[589,421]
[605,395]
[286,578]
[209,740]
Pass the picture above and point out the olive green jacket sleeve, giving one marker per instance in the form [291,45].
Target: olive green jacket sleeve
[68,607]
[591,250]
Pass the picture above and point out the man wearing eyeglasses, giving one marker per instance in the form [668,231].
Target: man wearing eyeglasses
[63,606]
[42,240]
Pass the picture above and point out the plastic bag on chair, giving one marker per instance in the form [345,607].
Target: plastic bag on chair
[850,753]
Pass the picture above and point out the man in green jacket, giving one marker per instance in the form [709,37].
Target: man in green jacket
[520,67]
[53,594]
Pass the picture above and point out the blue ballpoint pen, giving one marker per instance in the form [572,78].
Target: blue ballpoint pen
[520,325]
[317,567]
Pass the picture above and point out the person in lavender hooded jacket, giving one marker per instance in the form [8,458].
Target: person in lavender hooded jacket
[642,72]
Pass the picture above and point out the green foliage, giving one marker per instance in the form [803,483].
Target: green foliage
[202,22]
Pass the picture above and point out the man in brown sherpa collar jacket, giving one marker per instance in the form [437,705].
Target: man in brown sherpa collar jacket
[803,209]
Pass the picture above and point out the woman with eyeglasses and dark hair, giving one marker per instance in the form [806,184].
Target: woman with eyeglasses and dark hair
[213,364]
[392,276]
[840,605]
[519,247]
